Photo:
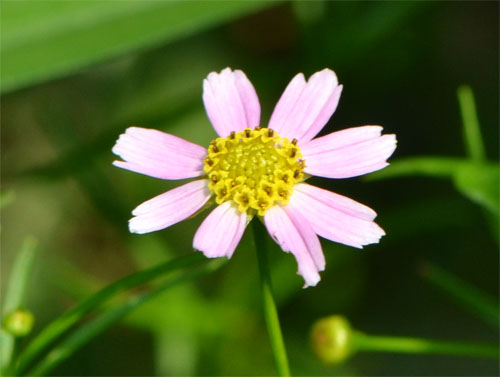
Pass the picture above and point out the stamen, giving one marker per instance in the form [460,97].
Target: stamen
[256,172]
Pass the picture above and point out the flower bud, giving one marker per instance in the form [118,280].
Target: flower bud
[19,323]
[331,339]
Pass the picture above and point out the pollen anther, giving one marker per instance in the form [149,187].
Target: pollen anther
[255,169]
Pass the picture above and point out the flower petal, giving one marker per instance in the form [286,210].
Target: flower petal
[220,233]
[348,153]
[170,207]
[230,101]
[305,108]
[159,154]
[294,234]
[336,217]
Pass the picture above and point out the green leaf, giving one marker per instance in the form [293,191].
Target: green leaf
[49,39]
[477,181]
[6,197]
[472,131]
[84,334]
[54,330]
[19,277]
[14,296]
[469,297]
[6,351]
[480,183]
[430,166]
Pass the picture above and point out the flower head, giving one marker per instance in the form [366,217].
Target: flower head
[253,171]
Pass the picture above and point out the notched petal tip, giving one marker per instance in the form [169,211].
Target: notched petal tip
[230,101]
[305,107]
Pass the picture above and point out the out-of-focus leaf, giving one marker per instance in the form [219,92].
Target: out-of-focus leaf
[6,197]
[68,319]
[477,181]
[14,295]
[20,276]
[309,11]
[480,183]
[430,166]
[472,131]
[44,40]
[6,350]
[466,295]
[90,330]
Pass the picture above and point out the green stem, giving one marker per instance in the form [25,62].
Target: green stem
[90,330]
[54,330]
[270,311]
[472,131]
[365,343]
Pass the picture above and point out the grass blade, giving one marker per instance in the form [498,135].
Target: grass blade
[472,131]
[90,330]
[49,39]
[54,330]
[19,277]
[467,296]
[14,296]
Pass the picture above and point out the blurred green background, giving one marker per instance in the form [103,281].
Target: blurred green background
[74,75]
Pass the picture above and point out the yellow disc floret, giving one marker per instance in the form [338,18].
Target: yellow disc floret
[254,168]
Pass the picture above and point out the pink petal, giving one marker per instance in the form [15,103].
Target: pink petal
[348,153]
[170,207]
[305,108]
[230,101]
[336,217]
[294,234]
[221,231]
[159,154]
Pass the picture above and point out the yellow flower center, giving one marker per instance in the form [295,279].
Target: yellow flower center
[254,168]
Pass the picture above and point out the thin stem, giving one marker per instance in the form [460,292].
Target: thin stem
[55,329]
[365,342]
[472,131]
[270,311]
[89,331]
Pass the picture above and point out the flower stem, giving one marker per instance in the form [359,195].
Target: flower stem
[364,342]
[270,311]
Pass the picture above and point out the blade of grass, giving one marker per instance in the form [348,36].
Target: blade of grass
[471,129]
[21,271]
[54,330]
[14,296]
[467,296]
[90,330]
[430,166]
[50,39]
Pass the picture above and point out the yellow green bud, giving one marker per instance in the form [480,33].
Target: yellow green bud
[19,323]
[331,339]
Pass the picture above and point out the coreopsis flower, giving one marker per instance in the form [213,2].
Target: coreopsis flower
[252,171]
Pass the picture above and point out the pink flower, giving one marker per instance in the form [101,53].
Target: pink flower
[252,171]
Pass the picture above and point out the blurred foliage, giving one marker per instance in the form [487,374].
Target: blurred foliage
[76,74]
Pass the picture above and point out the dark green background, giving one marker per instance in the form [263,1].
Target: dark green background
[400,64]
